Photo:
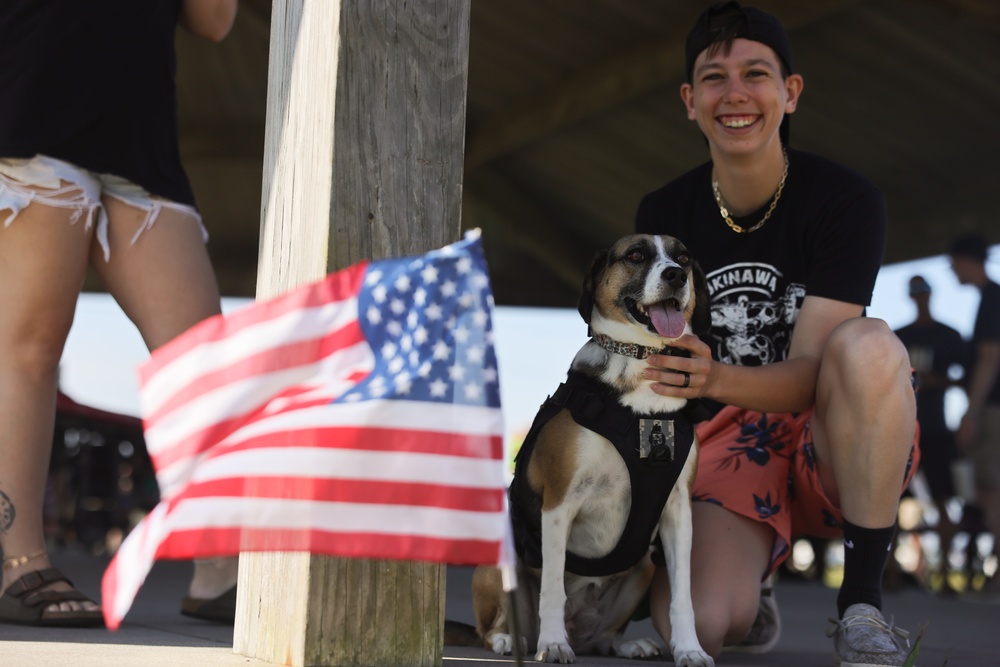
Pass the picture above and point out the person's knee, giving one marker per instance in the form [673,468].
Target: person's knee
[741,621]
[712,635]
[866,350]
[36,357]
[724,622]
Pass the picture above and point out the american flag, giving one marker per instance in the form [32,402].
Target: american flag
[357,417]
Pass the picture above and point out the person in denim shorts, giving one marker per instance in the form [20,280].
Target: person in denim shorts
[814,420]
[90,174]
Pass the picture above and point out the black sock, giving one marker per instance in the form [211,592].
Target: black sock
[865,553]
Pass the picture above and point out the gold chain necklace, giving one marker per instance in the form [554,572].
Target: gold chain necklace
[770,209]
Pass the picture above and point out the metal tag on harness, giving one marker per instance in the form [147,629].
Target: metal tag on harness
[656,440]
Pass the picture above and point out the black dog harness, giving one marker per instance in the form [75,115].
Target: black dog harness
[653,447]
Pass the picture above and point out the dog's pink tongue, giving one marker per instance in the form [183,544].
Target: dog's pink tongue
[667,320]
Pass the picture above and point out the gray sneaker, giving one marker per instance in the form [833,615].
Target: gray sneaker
[766,629]
[863,639]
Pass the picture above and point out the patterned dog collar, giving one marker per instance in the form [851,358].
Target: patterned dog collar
[635,350]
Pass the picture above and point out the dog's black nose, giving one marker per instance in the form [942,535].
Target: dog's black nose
[675,276]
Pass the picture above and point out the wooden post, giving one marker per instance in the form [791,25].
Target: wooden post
[363,159]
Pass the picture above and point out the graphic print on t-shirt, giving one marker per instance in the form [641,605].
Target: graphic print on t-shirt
[753,312]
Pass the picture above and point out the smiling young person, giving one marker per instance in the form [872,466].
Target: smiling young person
[814,420]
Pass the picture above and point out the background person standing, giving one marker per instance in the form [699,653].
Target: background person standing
[935,349]
[978,434]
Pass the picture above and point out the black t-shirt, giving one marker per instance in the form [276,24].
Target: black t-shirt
[987,328]
[934,348]
[92,82]
[825,238]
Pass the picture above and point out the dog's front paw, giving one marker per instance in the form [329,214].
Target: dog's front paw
[503,644]
[555,652]
[692,658]
[639,648]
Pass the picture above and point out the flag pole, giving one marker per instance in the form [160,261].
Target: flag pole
[508,577]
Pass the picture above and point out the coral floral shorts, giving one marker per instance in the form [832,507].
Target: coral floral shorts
[763,466]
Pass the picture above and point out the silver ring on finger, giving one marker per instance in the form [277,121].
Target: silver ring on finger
[687,380]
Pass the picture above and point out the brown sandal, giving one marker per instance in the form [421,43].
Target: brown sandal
[221,609]
[23,603]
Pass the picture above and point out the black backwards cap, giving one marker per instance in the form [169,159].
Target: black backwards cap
[728,20]
[972,246]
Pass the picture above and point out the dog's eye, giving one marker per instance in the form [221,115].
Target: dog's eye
[635,255]
[683,259]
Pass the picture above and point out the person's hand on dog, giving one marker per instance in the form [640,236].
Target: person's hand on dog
[686,377]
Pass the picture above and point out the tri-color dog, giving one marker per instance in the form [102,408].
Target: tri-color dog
[606,469]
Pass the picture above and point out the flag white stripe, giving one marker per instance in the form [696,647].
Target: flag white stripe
[241,397]
[398,415]
[312,463]
[294,514]
[395,414]
[260,337]
[402,415]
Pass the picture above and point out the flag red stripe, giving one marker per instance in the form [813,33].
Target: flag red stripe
[337,286]
[209,437]
[371,439]
[366,438]
[270,360]
[375,492]
[213,542]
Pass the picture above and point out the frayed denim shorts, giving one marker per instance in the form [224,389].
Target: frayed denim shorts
[43,179]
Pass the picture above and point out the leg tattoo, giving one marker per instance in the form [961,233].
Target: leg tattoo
[6,513]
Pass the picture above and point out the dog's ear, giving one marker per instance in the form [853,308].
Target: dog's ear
[586,303]
[701,319]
